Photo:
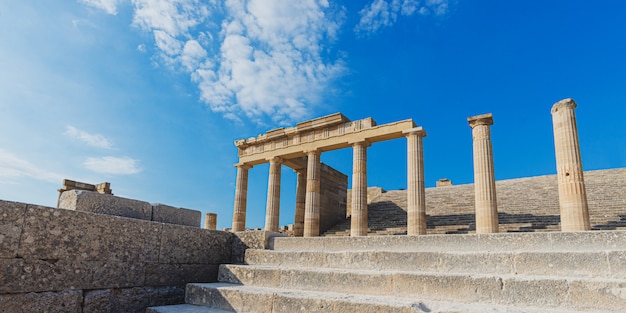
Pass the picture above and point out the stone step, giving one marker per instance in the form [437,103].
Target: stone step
[185,308]
[531,241]
[598,264]
[510,290]
[252,299]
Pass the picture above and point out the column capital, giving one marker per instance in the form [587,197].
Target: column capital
[565,103]
[275,159]
[243,166]
[483,119]
[311,151]
[300,170]
[419,131]
[360,142]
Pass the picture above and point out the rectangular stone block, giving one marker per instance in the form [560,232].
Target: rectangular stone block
[477,263]
[179,216]
[564,264]
[192,245]
[68,301]
[136,300]
[539,292]
[609,296]
[53,234]
[180,274]
[251,240]
[228,297]
[457,288]
[11,222]
[617,263]
[365,260]
[94,202]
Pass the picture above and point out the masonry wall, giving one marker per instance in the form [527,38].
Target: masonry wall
[333,193]
[58,260]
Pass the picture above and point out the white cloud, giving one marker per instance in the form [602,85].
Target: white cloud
[112,165]
[94,140]
[109,6]
[384,13]
[13,167]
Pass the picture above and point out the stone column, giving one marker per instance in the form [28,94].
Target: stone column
[241,197]
[272,208]
[484,177]
[210,221]
[569,170]
[298,221]
[358,222]
[416,192]
[312,202]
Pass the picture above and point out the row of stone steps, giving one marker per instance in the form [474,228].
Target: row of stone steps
[524,272]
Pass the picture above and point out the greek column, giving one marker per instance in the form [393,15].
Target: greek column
[298,221]
[241,197]
[416,193]
[272,208]
[312,202]
[484,177]
[569,171]
[358,222]
[210,221]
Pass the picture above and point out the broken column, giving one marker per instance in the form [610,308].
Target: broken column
[312,202]
[241,197]
[298,222]
[358,222]
[416,192]
[272,209]
[210,221]
[484,177]
[569,171]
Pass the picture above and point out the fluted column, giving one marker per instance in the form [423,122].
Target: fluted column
[484,176]
[358,223]
[569,170]
[272,208]
[210,221]
[312,202]
[241,197]
[416,192]
[298,221]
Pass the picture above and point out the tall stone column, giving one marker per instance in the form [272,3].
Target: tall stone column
[312,202]
[210,221]
[359,223]
[484,177]
[569,170]
[241,197]
[298,221]
[416,192]
[272,208]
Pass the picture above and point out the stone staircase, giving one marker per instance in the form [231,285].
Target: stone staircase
[521,272]
[524,205]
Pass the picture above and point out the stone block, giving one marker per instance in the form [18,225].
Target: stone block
[97,301]
[597,295]
[94,202]
[53,234]
[136,300]
[32,275]
[539,292]
[68,301]
[179,216]
[286,303]
[458,288]
[363,260]
[617,263]
[298,243]
[251,240]
[11,221]
[180,274]
[477,263]
[410,261]
[229,297]
[192,245]
[513,242]
[564,264]
[315,280]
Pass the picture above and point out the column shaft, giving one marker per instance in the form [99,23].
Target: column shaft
[484,175]
[241,197]
[312,202]
[359,223]
[210,221]
[572,191]
[298,221]
[272,208]
[416,192]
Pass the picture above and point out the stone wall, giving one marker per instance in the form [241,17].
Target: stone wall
[58,260]
[333,194]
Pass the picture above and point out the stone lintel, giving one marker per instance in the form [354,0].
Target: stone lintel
[483,119]
[322,122]
[565,103]
[419,130]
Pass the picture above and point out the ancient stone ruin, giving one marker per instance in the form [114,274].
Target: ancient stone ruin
[554,243]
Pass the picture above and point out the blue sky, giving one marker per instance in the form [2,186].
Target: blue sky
[150,94]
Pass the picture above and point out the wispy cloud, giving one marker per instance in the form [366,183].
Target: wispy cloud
[109,6]
[384,13]
[94,140]
[254,59]
[11,167]
[112,165]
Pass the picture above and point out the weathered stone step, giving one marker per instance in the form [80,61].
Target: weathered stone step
[185,308]
[248,299]
[538,241]
[510,290]
[606,264]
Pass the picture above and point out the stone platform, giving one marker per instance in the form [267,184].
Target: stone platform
[520,272]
